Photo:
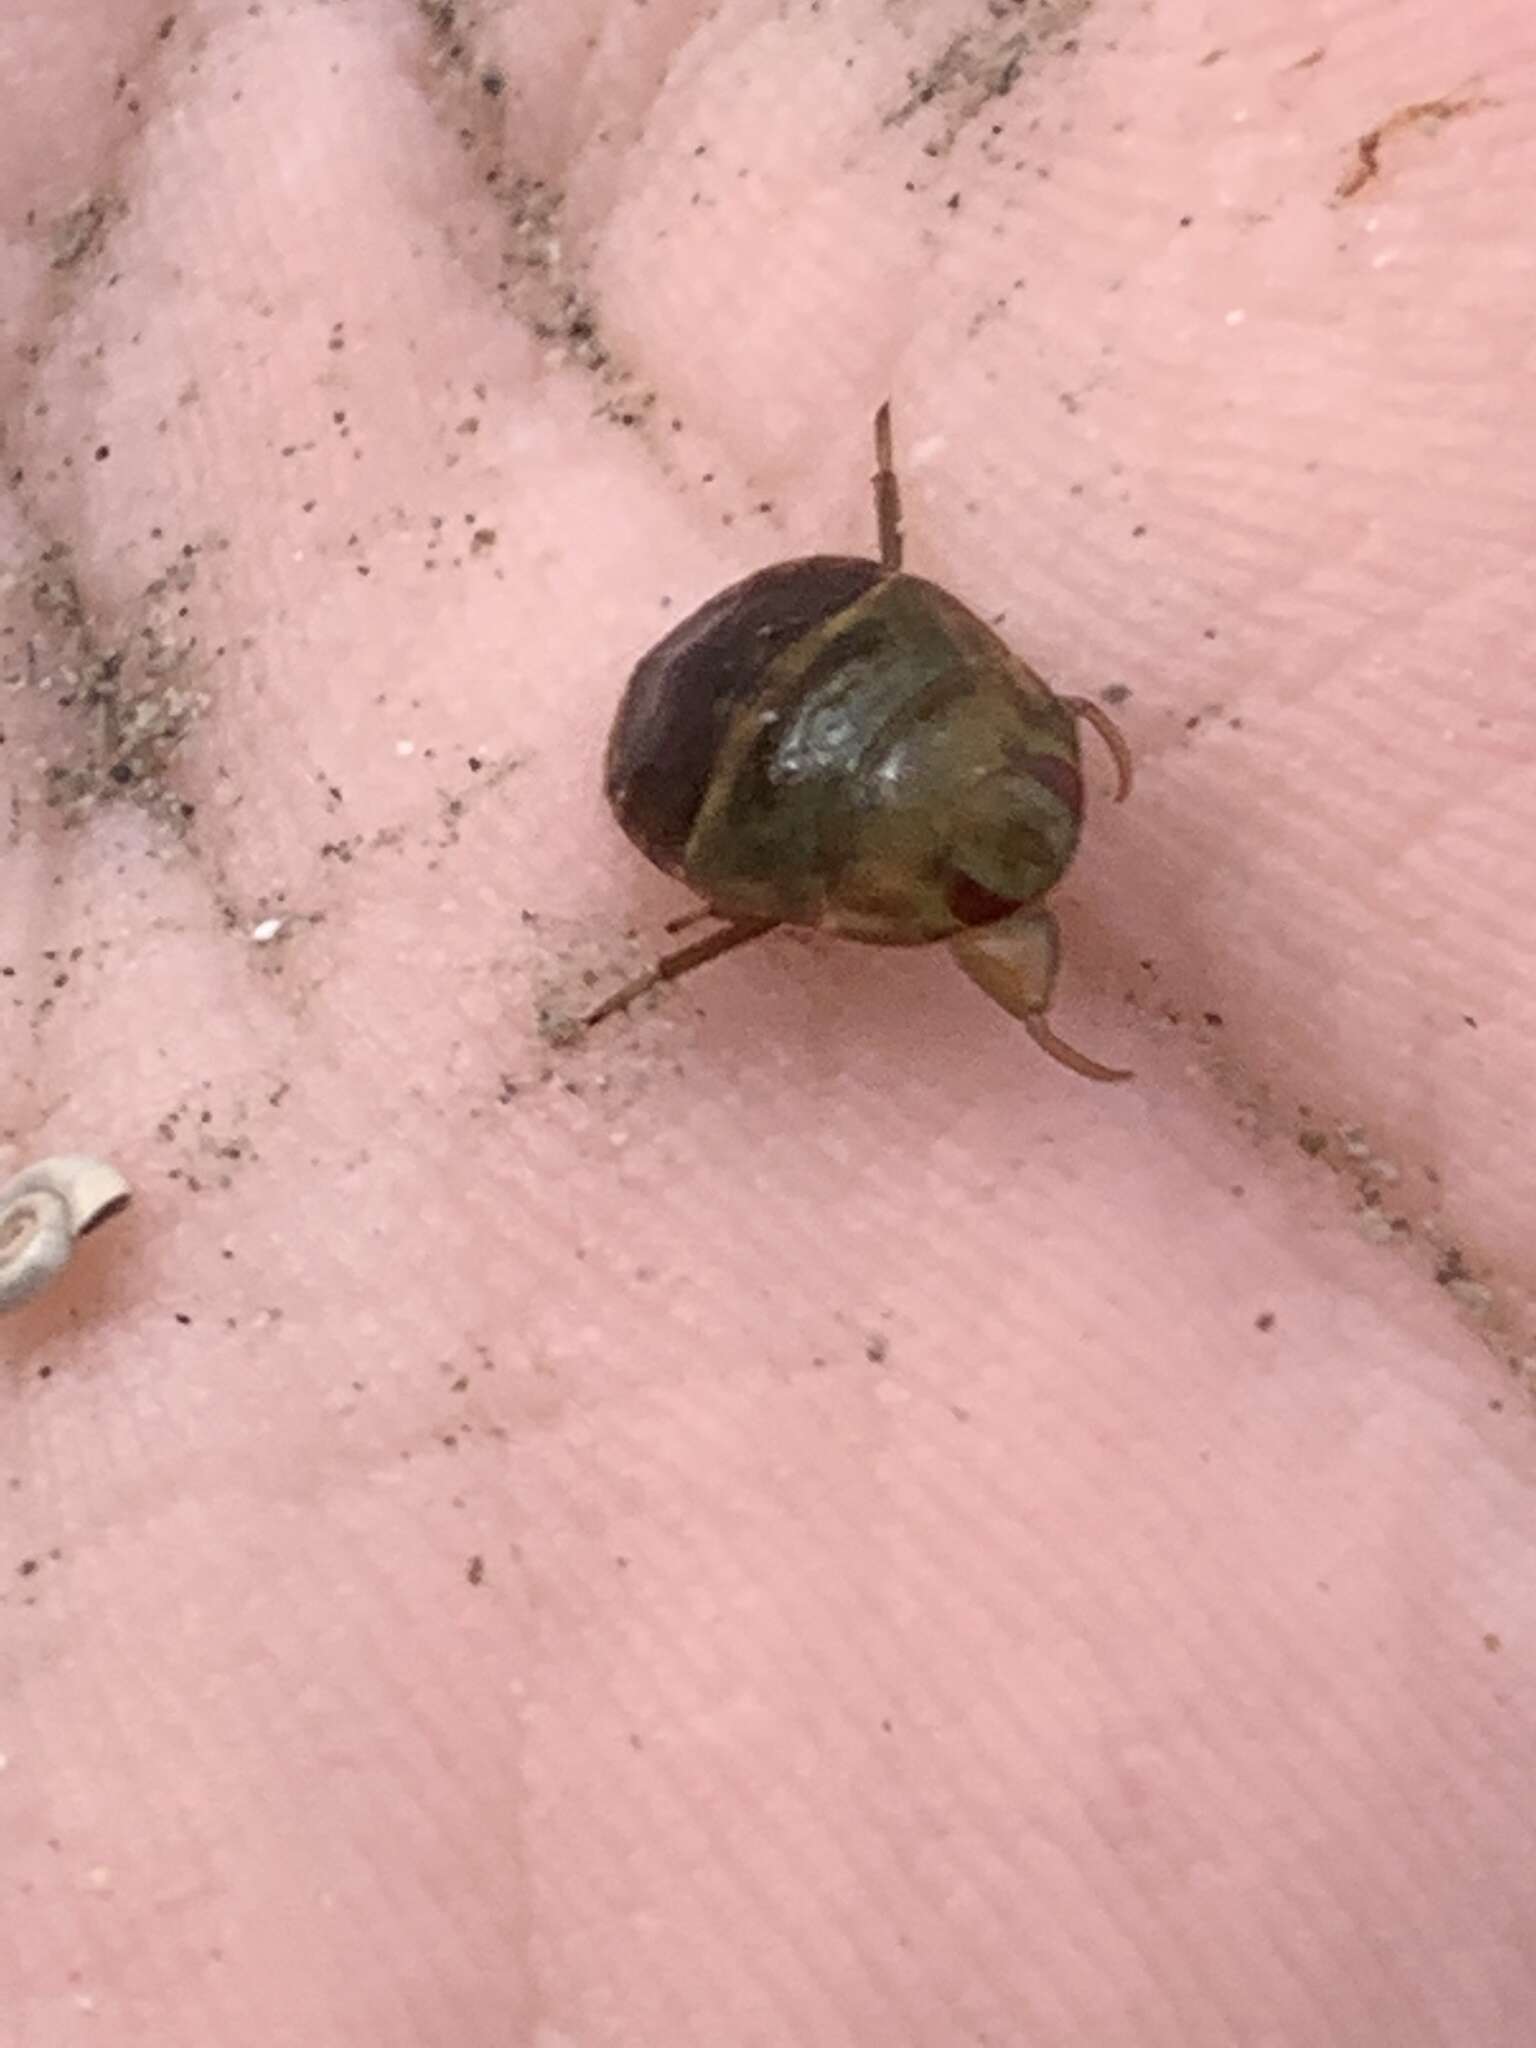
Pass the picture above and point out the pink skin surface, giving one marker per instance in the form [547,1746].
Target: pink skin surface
[794,1521]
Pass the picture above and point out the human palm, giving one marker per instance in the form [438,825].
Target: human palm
[791,1518]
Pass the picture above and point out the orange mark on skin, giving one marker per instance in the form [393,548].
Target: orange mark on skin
[1424,114]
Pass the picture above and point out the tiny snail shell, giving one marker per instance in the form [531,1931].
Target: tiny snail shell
[43,1210]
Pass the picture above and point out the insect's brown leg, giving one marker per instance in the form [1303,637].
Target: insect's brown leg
[1110,733]
[686,918]
[1015,962]
[887,492]
[683,961]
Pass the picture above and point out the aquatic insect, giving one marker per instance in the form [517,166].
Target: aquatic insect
[836,743]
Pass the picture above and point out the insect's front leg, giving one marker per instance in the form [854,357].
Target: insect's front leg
[1014,962]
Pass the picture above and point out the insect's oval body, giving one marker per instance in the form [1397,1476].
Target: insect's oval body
[832,744]
[835,743]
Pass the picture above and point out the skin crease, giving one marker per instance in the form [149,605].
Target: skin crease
[797,1520]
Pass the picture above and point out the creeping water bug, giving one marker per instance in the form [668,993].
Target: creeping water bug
[835,743]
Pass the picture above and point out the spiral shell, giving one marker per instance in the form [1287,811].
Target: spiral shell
[43,1211]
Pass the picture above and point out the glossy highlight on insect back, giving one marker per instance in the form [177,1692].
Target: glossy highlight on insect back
[835,743]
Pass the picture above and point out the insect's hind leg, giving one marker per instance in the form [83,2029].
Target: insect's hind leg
[887,493]
[683,961]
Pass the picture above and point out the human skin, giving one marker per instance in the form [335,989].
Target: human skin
[794,1520]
